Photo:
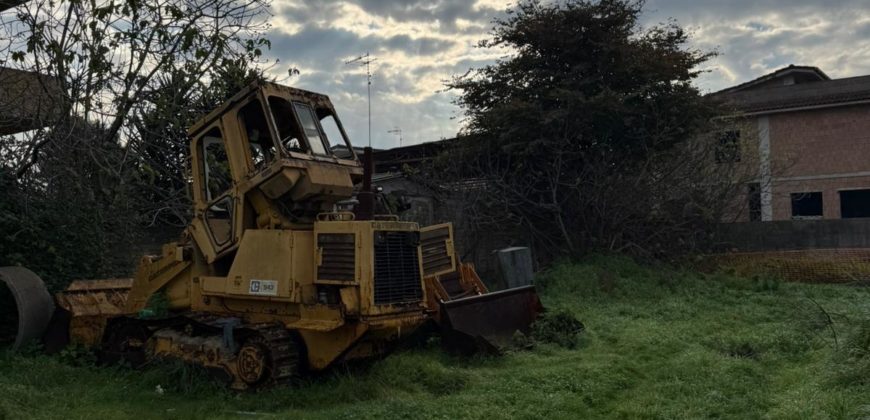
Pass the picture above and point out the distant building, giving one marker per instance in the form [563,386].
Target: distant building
[8,4]
[390,167]
[342,151]
[28,100]
[809,138]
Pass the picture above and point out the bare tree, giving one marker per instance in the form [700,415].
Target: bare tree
[106,56]
[121,80]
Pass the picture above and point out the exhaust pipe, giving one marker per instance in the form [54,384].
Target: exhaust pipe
[365,210]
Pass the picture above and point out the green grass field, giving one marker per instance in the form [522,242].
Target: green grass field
[659,343]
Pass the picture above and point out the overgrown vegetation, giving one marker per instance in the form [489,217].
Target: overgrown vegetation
[658,343]
[120,83]
[590,134]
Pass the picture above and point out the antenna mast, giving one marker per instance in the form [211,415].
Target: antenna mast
[366,60]
[397,131]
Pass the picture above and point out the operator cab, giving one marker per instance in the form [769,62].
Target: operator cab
[272,155]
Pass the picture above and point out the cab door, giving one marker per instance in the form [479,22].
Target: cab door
[216,205]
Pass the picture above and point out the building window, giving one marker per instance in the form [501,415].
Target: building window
[807,205]
[854,203]
[754,195]
[728,147]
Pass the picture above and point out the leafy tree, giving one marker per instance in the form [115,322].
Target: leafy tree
[123,79]
[587,134]
[158,137]
[106,56]
[72,219]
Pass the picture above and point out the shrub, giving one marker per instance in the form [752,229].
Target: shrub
[560,328]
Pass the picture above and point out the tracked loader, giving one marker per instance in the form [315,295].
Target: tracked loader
[269,280]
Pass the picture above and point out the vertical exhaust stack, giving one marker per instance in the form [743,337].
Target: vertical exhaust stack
[365,210]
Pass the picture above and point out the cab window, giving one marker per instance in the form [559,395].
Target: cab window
[252,119]
[288,130]
[216,164]
[339,146]
[309,126]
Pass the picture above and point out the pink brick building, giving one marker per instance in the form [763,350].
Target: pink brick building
[806,140]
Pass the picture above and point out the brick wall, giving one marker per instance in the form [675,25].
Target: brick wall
[821,142]
[829,188]
[832,144]
[825,151]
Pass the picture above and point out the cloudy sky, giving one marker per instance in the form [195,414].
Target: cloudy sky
[419,44]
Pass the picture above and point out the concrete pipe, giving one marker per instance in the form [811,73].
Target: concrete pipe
[33,303]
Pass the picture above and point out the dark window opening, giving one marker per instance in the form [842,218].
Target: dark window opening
[215,165]
[807,205]
[728,147]
[854,204]
[253,121]
[754,195]
[217,180]
[288,129]
[309,126]
[219,217]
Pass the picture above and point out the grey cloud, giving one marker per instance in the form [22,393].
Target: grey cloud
[862,31]
[752,36]
[419,46]
[317,46]
[326,46]
[688,11]
[444,11]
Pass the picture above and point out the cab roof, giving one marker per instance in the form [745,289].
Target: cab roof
[318,99]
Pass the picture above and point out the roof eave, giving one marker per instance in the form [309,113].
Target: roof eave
[801,108]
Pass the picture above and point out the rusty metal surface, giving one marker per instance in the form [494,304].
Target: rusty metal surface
[489,321]
[95,297]
[35,306]
[87,305]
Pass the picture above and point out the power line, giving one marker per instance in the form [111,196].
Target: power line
[366,60]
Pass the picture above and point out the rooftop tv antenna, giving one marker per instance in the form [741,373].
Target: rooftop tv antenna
[397,131]
[366,60]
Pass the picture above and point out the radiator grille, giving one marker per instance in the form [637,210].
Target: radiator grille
[338,254]
[397,268]
[436,258]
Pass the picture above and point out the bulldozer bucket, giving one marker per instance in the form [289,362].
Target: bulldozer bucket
[33,305]
[488,322]
[471,319]
[84,309]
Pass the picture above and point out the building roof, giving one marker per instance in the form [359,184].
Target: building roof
[790,75]
[28,100]
[795,88]
[8,4]
[341,150]
[393,159]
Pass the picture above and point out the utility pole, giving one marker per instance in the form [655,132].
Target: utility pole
[366,60]
[397,131]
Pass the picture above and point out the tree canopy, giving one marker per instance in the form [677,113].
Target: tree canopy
[587,131]
[125,78]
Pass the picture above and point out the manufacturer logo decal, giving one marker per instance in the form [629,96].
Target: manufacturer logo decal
[263,288]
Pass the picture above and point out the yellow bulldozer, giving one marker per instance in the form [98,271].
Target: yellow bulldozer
[271,279]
